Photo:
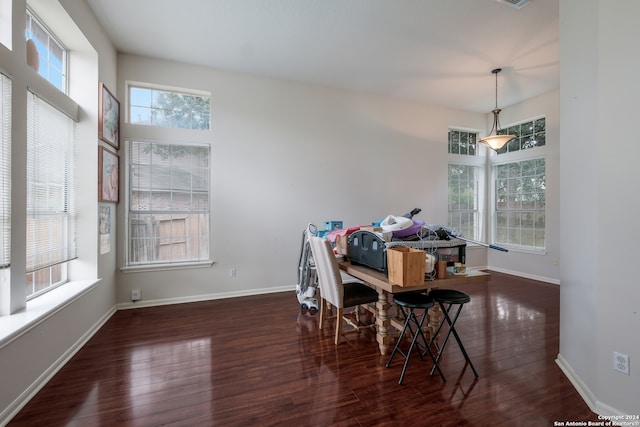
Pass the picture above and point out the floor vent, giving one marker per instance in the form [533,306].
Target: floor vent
[518,4]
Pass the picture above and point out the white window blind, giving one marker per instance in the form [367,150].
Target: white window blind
[168,214]
[51,207]
[5,172]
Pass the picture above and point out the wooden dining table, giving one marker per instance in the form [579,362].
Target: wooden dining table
[379,281]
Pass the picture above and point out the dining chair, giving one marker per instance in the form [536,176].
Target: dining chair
[332,289]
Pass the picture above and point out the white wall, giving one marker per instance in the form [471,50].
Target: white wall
[599,290]
[285,154]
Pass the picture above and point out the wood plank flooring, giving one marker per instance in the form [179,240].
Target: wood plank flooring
[256,361]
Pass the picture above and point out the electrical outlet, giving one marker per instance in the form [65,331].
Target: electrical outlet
[136,295]
[232,272]
[621,362]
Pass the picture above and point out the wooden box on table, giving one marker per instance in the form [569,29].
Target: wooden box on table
[406,266]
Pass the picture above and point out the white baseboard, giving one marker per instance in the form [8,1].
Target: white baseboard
[589,398]
[12,410]
[206,297]
[525,275]
[580,386]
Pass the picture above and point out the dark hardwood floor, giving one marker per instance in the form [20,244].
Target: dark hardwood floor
[256,361]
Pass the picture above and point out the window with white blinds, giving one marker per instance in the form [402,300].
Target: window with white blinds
[168,218]
[5,172]
[51,195]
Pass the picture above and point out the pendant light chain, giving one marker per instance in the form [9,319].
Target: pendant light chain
[496,71]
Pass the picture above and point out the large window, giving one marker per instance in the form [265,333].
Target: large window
[51,60]
[520,187]
[51,208]
[168,216]
[464,183]
[520,203]
[169,108]
[40,233]
[5,172]
[463,200]
[51,204]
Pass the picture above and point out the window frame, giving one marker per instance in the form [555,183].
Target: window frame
[162,265]
[478,161]
[5,170]
[474,212]
[502,158]
[56,270]
[51,37]
[129,85]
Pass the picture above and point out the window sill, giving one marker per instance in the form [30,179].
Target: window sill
[41,308]
[523,249]
[163,267]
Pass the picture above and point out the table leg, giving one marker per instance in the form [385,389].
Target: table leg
[435,316]
[383,322]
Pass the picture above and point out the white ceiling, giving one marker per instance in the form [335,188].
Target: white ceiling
[439,52]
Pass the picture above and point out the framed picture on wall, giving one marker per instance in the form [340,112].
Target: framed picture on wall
[108,175]
[108,117]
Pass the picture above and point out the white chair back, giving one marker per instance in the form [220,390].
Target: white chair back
[329,278]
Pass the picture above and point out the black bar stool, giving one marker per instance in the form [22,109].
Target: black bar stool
[449,297]
[413,301]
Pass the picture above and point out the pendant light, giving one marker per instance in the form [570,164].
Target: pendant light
[495,141]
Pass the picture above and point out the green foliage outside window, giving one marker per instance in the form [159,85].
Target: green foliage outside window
[169,109]
[463,199]
[520,203]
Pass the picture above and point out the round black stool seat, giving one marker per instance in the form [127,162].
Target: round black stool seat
[449,296]
[413,300]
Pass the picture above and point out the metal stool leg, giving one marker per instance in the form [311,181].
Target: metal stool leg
[457,337]
[452,329]
[397,346]
[409,319]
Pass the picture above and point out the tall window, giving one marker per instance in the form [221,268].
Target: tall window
[520,187]
[463,199]
[5,172]
[168,218]
[52,56]
[464,183]
[520,203]
[51,214]
[154,107]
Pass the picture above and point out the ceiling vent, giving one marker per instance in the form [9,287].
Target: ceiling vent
[518,4]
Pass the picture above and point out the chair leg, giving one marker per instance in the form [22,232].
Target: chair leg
[323,312]
[338,325]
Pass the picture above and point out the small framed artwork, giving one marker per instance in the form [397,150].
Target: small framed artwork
[108,117]
[108,175]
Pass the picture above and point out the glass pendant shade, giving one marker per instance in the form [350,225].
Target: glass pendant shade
[496,142]
[493,140]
